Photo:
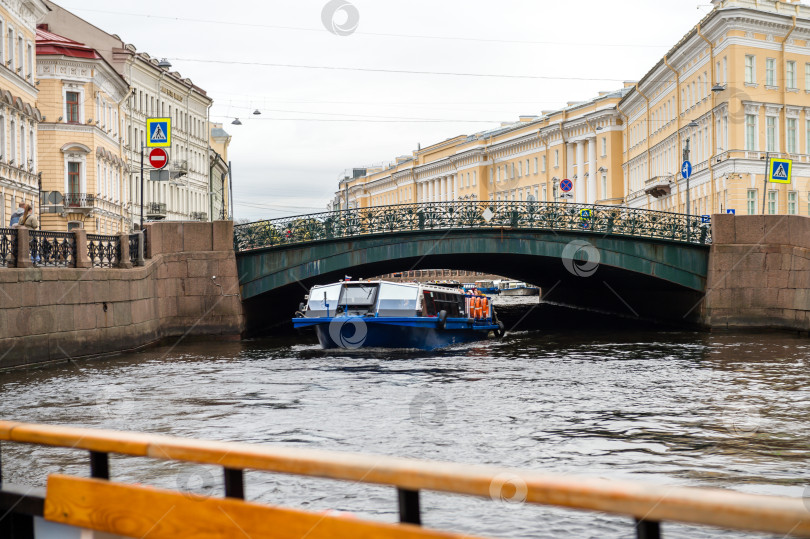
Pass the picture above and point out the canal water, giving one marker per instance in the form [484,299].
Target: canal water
[647,404]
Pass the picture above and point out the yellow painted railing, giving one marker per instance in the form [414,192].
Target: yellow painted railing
[647,504]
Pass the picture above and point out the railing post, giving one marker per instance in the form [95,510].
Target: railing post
[648,529]
[23,249]
[409,506]
[82,258]
[123,245]
[234,483]
[99,465]
[141,248]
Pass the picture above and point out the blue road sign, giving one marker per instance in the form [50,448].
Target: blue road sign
[705,218]
[566,185]
[686,170]
[160,132]
[731,211]
[585,219]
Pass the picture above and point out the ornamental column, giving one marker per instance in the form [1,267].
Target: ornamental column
[592,173]
[444,188]
[455,187]
[580,186]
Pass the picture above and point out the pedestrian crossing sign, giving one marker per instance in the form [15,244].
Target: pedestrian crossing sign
[780,170]
[159,131]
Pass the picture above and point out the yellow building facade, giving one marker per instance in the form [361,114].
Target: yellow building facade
[19,117]
[81,152]
[735,91]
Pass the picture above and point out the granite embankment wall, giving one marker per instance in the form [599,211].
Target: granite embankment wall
[57,314]
[759,273]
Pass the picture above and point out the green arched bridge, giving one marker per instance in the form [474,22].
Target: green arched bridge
[632,262]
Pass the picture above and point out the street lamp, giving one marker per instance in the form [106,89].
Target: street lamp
[718,87]
[693,124]
[164,64]
[236,122]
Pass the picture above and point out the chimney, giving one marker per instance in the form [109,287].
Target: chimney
[43,26]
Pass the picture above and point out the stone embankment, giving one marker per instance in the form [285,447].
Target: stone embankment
[759,273]
[187,286]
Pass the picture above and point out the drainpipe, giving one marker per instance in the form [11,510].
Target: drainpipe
[784,112]
[713,187]
[678,124]
[564,149]
[626,141]
[649,171]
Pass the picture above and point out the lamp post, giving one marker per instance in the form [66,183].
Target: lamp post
[691,124]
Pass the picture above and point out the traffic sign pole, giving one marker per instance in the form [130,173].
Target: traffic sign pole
[765,181]
[141,184]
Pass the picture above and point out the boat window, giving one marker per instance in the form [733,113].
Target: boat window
[397,299]
[428,305]
[358,294]
[323,299]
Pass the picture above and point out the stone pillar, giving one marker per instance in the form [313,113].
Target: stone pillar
[430,191]
[444,188]
[592,170]
[454,178]
[82,258]
[125,262]
[23,249]
[580,184]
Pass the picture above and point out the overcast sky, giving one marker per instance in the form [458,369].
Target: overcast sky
[316,122]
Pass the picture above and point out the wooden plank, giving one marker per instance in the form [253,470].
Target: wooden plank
[103,441]
[138,511]
[5,429]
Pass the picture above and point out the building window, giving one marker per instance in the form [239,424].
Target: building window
[604,186]
[544,157]
[790,81]
[535,165]
[772,202]
[807,77]
[74,177]
[751,132]
[725,69]
[475,177]
[520,169]
[770,72]
[72,107]
[556,158]
[791,135]
[604,146]
[750,69]
[792,203]
[770,134]
[752,202]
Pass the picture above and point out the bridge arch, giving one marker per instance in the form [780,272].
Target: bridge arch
[630,276]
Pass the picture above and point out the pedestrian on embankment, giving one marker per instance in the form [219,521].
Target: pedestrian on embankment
[15,216]
[28,219]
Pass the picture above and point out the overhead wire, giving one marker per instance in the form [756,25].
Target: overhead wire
[373,34]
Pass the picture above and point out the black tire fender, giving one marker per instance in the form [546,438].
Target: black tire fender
[442,319]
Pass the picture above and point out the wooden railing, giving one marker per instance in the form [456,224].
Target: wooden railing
[647,504]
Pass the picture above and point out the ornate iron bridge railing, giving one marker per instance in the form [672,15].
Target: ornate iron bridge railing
[584,218]
[53,248]
[134,241]
[103,251]
[8,247]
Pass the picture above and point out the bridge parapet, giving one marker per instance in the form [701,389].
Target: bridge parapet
[485,215]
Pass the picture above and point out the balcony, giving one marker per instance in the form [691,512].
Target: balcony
[199,216]
[658,186]
[156,210]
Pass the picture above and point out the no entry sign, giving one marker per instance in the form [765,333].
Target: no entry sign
[158,157]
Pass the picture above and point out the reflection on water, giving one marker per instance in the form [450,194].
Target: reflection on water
[727,410]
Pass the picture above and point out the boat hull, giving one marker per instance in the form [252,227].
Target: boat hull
[489,291]
[521,291]
[421,333]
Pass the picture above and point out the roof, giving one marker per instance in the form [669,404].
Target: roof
[219,132]
[50,43]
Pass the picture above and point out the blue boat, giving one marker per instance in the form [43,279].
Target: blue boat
[383,314]
[487,287]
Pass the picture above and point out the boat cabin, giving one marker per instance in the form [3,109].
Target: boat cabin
[385,299]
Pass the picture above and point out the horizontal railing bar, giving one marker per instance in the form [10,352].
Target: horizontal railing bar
[22,499]
[713,507]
